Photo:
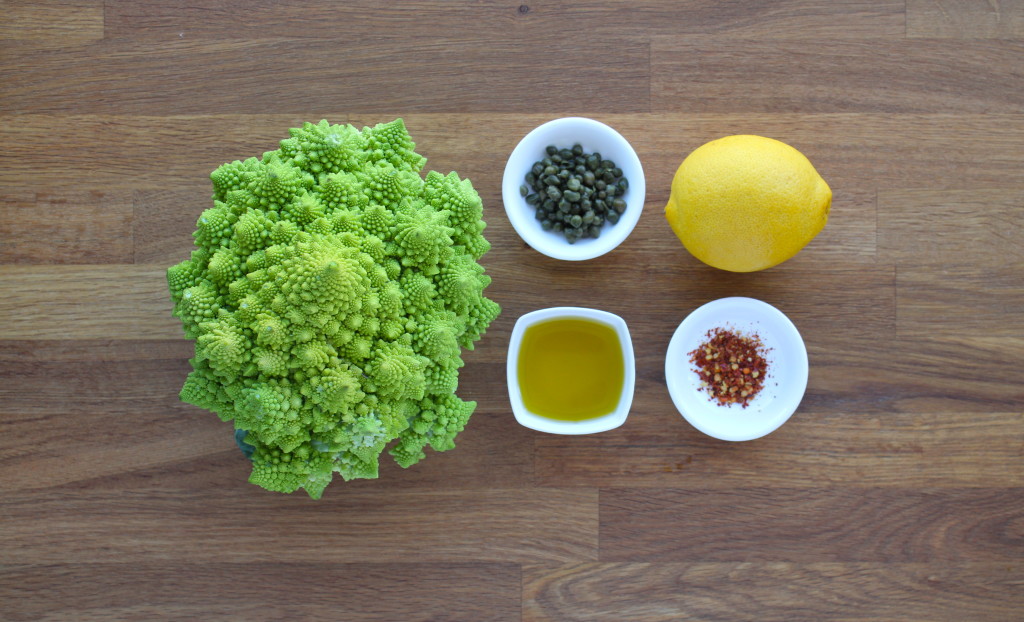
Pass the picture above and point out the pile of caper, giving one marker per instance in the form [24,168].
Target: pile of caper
[575,192]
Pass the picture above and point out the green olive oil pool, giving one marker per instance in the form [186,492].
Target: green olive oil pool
[570,369]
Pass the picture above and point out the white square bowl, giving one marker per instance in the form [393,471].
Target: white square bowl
[537,422]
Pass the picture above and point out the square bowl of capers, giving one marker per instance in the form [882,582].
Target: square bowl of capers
[573,188]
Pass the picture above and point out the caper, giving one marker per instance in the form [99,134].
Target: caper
[574,192]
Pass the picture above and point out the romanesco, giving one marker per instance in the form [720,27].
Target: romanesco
[330,296]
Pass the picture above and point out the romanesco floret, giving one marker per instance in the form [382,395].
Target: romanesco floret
[330,295]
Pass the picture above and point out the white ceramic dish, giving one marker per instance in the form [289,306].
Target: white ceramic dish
[588,426]
[784,388]
[592,136]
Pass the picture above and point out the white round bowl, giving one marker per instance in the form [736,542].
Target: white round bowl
[592,136]
[587,426]
[784,386]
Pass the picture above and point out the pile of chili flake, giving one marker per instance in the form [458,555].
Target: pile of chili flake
[731,366]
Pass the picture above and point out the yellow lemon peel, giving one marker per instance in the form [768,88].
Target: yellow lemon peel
[745,203]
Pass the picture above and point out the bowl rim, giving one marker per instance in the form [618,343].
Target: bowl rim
[522,219]
[603,423]
[682,394]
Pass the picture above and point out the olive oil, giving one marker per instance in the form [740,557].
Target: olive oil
[570,369]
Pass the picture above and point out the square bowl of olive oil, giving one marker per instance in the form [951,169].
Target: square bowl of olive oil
[571,370]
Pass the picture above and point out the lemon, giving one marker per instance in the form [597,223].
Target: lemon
[746,203]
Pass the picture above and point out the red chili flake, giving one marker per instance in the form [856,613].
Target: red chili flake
[731,366]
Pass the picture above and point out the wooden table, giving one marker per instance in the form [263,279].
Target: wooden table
[896,492]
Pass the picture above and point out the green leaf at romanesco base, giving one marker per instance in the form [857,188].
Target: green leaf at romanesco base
[330,294]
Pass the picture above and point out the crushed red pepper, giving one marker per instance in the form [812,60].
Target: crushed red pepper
[731,366]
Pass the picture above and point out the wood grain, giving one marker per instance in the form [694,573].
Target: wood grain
[52,22]
[887,450]
[166,219]
[51,389]
[981,299]
[415,591]
[771,591]
[93,227]
[86,302]
[895,492]
[432,525]
[557,19]
[964,19]
[849,524]
[938,226]
[902,76]
[470,74]
[910,151]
